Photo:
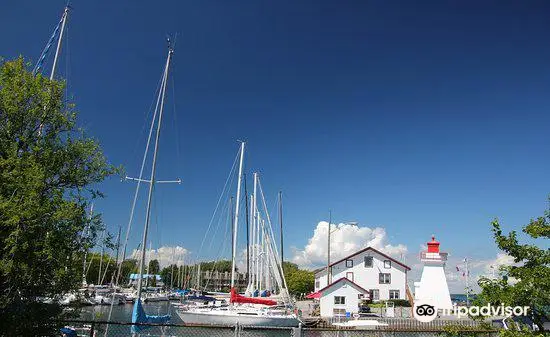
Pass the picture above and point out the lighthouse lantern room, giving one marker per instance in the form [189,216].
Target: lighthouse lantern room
[433,283]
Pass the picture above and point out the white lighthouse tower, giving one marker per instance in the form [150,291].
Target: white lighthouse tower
[433,284]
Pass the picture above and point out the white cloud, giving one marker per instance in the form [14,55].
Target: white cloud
[166,255]
[346,239]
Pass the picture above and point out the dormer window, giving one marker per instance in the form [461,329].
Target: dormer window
[349,263]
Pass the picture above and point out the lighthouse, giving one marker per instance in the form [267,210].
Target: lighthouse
[433,284]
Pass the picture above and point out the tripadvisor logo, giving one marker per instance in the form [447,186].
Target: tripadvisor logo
[425,311]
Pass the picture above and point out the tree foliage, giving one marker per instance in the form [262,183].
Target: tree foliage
[154,267]
[48,169]
[299,281]
[527,282]
[220,266]
[129,266]
[108,268]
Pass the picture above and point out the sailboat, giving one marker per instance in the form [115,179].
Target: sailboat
[243,310]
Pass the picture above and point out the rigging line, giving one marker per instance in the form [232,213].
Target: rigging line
[220,218]
[67,59]
[146,116]
[142,168]
[218,203]
[271,232]
[222,247]
[219,221]
[137,191]
[44,53]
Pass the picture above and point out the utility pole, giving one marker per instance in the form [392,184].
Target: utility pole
[467,282]
[328,247]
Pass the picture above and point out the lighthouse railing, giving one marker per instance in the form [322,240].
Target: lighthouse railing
[433,256]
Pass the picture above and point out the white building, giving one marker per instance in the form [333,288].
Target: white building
[432,287]
[341,297]
[383,277]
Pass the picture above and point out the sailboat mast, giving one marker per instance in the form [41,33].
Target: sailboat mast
[236,222]
[86,250]
[231,221]
[101,257]
[281,223]
[255,232]
[153,170]
[247,216]
[117,252]
[58,49]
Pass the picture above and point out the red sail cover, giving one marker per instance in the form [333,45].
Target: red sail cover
[236,298]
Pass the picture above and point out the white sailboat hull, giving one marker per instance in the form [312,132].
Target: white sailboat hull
[233,317]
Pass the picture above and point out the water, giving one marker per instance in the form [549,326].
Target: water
[123,314]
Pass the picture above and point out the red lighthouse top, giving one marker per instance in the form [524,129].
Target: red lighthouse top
[433,246]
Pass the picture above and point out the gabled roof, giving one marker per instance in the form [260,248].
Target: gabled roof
[362,251]
[341,280]
[319,269]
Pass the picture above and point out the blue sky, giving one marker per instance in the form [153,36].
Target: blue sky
[420,118]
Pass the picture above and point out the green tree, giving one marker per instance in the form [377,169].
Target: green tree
[107,268]
[48,169]
[166,275]
[154,267]
[128,267]
[299,281]
[527,283]
[221,266]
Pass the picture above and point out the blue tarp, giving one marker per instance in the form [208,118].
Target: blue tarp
[136,276]
[68,332]
[201,298]
[139,316]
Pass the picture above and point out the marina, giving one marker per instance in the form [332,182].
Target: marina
[143,176]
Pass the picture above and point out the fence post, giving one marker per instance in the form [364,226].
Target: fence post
[297,332]
[92,327]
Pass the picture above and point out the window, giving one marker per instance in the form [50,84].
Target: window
[340,300]
[338,312]
[368,261]
[317,284]
[394,294]
[387,264]
[384,278]
[349,263]
[375,294]
[349,276]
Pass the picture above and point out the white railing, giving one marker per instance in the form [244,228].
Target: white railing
[433,256]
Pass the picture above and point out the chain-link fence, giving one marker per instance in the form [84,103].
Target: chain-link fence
[117,329]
